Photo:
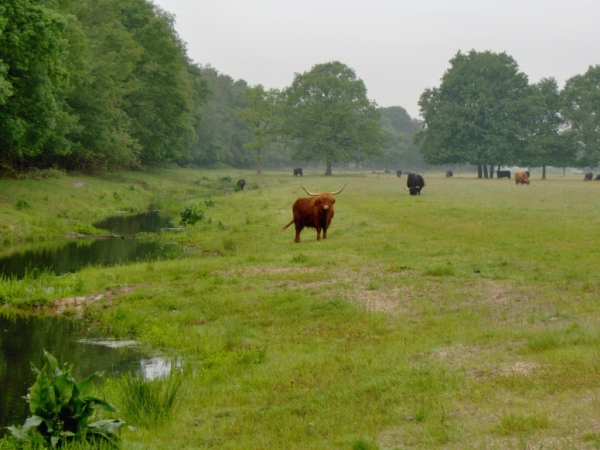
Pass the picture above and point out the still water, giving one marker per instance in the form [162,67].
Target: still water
[23,340]
[71,255]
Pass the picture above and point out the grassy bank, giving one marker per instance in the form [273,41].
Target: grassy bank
[466,317]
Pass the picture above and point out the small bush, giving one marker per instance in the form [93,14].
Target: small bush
[209,203]
[117,196]
[190,215]
[22,204]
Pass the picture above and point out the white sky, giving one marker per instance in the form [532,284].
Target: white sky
[398,48]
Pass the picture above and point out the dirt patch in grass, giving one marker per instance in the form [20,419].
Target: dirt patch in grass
[79,302]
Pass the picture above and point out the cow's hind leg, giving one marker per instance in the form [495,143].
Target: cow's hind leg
[298,230]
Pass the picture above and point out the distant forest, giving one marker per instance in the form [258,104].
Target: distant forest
[92,85]
[96,85]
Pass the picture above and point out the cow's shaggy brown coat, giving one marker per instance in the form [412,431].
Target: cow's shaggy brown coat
[521,178]
[313,212]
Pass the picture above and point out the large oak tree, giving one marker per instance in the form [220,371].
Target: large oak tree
[581,109]
[328,117]
[479,114]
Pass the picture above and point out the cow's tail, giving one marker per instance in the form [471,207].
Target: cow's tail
[291,222]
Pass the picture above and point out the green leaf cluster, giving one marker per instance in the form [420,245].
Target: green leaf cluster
[327,116]
[485,112]
[191,215]
[62,409]
[581,110]
[94,84]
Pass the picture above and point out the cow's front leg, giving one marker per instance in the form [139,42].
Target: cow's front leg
[318,233]
[324,233]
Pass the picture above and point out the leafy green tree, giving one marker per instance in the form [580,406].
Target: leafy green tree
[262,114]
[221,133]
[581,109]
[479,113]
[104,137]
[162,101]
[328,117]
[547,144]
[33,81]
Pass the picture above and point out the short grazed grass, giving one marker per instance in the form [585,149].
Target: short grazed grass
[466,317]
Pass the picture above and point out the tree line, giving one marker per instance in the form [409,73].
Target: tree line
[486,113]
[94,85]
[106,84]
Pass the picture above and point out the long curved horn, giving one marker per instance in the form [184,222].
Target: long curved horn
[337,192]
[314,195]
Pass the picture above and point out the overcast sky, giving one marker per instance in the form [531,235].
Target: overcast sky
[397,47]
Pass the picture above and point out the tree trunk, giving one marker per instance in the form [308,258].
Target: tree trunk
[258,162]
[491,171]
[328,170]
[479,171]
[497,176]
[543,172]
[485,174]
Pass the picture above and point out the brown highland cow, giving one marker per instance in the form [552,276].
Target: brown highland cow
[315,211]
[521,178]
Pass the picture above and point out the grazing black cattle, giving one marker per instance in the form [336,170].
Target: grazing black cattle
[588,176]
[503,173]
[597,178]
[449,174]
[415,183]
[398,173]
[241,183]
[298,171]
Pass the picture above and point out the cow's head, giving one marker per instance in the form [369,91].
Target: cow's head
[324,200]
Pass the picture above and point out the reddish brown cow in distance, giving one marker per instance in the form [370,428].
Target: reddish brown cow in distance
[521,178]
[315,211]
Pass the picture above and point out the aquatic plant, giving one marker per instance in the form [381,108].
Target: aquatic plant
[62,409]
[190,215]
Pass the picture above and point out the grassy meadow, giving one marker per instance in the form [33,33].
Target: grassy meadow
[466,317]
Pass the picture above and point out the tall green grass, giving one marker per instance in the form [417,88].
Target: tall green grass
[149,403]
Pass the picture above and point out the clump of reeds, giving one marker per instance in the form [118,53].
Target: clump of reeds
[148,403]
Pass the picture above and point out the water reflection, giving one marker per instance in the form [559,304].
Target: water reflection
[71,256]
[149,221]
[23,340]
[63,256]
